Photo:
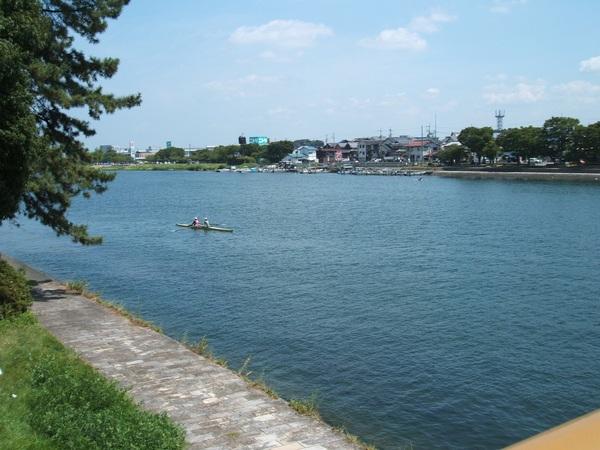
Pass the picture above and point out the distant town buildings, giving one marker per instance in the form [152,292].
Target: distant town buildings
[378,149]
[141,156]
[404,149]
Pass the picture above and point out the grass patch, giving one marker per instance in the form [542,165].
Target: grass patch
[202,348]
[50,399]
[307,407]
[233,435]
[77,287]
[261,384]
[353,439]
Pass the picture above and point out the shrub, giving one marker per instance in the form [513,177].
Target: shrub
[15,295]
[77,408]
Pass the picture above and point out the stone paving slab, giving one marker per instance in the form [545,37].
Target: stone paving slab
[217,409]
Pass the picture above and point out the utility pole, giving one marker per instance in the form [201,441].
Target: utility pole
[390,132]
[421,142]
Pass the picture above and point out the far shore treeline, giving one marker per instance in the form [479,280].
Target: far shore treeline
[561,139]
[225,154]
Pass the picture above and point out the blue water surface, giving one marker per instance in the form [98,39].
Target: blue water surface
[440,313]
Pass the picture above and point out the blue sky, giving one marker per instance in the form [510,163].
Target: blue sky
[210,70]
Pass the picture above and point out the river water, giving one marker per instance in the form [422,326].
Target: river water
[440,313]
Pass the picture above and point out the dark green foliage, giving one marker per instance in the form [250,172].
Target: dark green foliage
[453,154]
[15,295]
[490,151]
[244,154]
[229,154]
[17,128]
[110,156]
[77,408]
[475,139]
[172,154]
[585,144]
[253,150]
[276,151]
[558,135]
[43,165]
[526,142]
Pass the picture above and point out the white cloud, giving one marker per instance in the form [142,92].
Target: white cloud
[398,39]
[505,6]
[590,65]
[521,92]
[281,33]
[432,92]
[429,24]
[409,37]
[581,91]
[242,87]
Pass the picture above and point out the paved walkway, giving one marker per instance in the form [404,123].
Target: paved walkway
[217,409]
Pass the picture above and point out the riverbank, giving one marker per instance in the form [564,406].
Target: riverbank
[214,405]
[498,173]
[521,176]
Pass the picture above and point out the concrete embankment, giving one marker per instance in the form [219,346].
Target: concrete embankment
[526,176]
[217,409]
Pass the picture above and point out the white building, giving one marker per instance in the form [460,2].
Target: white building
[302,155]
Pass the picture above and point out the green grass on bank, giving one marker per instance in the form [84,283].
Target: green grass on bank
[50,399]
[176,166]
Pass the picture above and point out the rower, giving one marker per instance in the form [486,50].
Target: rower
[196,222]
[206,224]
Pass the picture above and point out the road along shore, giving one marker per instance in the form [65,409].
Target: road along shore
[523,176]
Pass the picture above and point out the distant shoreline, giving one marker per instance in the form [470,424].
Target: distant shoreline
[450,172]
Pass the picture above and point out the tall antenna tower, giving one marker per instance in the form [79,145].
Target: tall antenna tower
[500,120]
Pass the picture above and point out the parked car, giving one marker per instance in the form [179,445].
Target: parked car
[537,162]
